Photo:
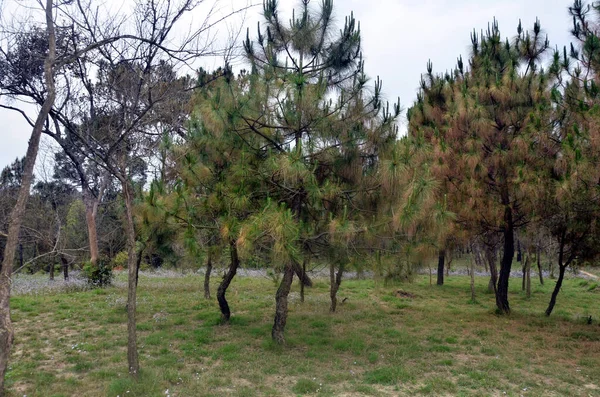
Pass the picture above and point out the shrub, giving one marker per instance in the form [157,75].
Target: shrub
[98,276]
[120,260]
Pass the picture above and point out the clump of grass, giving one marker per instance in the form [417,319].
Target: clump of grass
[391,375]
[304,386]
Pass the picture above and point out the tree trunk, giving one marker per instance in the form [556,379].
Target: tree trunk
[51,269]
[550,263]
[430,275]
[524,274]
[562,268]
[90,220]
[16,216]
[448,264]
[302,276]
[301,283]
[557,287]
[440,269]
[528,279]
[132,275]
[207,276]
[227,278]
[539,265]
[506,263]
[281,304]
[65,267]
[21,254]
[473,296]
[491,259]
[335,282]
[138,264]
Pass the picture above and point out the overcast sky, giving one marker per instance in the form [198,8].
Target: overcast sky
[399,37]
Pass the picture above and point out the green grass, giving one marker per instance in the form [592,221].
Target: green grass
[74,344]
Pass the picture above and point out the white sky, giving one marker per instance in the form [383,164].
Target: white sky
[399,37]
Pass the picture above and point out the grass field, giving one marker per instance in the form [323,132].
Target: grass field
[436,343]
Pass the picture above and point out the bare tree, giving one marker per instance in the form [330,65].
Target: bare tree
[131,47]
[6,328]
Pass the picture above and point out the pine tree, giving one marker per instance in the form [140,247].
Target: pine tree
[323,134]
[571,207]
[483,120]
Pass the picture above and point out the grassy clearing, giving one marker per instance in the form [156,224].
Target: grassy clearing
[437,343]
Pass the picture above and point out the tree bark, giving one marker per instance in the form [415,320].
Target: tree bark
[335,281]
[132,263]
[524,274]
[528,275]
[302,276]
[562,268]
[440,269]
[550,263]
[65,267]
[506,263]
[301,283]
[281,304]
[448,264]
[473,296]
[557,287]
[16,216]
[138,264]
[90,219]
[21,261]
[207,276]
[233,266]
[539,265]
[491,259]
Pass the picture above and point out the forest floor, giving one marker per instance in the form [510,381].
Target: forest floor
[379,343]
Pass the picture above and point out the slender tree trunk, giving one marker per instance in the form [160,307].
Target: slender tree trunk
[51,269]
[484,260]
[301,278]
[524,274]
[335,282]
[539,265]
[138,264]
[506,263]
[528,279]
[473,296]
[132,273]
[90,219]
[448,264]
[550,264]
[16,216]
[440,269]
[233,266]
[207,276]
[477,255]
[491,259]
[281,304]
[65,267]
[430,275]
[21,264]
[562,268]
[557,287]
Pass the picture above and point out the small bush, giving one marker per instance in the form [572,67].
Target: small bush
[120,260]
[99,276]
